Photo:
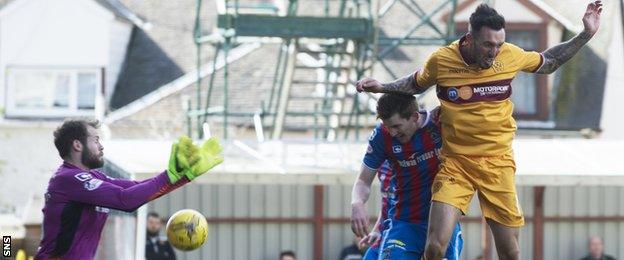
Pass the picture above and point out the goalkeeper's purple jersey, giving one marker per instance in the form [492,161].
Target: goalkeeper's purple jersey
[77,203]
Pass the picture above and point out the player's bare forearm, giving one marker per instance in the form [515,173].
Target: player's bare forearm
[362,186]
[560,54]
[404,85]
[361,192]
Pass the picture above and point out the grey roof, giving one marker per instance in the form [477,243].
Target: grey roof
[163,52]
[146,67]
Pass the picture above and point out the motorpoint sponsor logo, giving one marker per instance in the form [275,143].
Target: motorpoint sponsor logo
[490,90]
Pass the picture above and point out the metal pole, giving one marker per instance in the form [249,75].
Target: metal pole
[284,48]
[318,221]
[285,92]
[315,121]
[188,118]
[226,50]
[276,78]
[538,222]
[212,77]
[198,60]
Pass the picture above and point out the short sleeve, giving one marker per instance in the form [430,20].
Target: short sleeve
[428,75]
[529,61]
[375,153]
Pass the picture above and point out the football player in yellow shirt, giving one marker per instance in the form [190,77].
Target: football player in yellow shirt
[473,78]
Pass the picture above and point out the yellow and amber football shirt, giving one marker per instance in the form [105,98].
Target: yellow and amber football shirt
[476,105]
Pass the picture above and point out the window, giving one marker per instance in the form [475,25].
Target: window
[525,84]
[39,92]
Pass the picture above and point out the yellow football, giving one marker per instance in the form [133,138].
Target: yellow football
[187,229]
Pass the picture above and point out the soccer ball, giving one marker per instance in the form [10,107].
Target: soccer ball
[187,229]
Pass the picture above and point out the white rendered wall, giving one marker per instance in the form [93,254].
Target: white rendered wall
[60,34]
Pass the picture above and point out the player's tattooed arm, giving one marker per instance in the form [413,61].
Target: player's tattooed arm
[558,55]
[404,85]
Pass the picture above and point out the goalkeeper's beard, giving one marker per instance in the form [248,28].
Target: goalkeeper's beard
[91,160]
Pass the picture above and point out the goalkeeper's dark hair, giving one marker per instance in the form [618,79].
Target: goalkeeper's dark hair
[486,16]
[153,215]
[70,130]
[390,104]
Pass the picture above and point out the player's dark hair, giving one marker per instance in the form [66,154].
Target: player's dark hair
[390,104]
[153,214]
[287,253]
[486,16]
[70,130]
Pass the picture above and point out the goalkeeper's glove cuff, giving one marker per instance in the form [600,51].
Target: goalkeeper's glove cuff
[174,176]
[175,171]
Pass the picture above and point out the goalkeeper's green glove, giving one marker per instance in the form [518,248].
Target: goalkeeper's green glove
[184,154]
[209,157]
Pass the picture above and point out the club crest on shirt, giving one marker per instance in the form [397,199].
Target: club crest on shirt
[83,176]
[93,184]
[397,149]
[497,66]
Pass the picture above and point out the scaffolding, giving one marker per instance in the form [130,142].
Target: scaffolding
[340,45]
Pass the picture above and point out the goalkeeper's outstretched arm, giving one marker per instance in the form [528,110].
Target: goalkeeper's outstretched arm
[100,191]
[186,162]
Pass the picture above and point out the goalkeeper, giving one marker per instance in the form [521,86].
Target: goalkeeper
[78,197]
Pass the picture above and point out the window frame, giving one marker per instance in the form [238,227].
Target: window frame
[12,111]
